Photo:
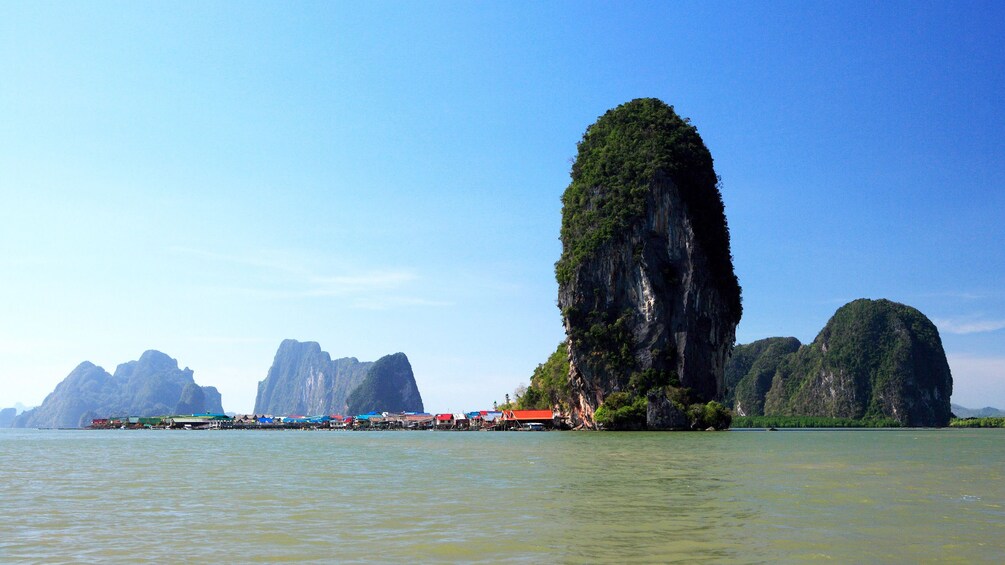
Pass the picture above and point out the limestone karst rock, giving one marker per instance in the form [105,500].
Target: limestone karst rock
[304,380]
[646,283]
[750,370]
[389,386]
[7,416]
[874,359]
[153,385]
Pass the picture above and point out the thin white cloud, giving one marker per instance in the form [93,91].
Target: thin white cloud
[388,302]
[374,289]
[968,325]
[341,285]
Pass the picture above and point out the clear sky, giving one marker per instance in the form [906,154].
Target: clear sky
[209,178]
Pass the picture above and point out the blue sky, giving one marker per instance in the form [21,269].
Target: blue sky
[207,179]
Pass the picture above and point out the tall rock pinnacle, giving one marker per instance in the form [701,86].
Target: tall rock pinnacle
[646,284]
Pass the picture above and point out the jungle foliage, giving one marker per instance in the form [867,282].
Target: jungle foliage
[871,356]
[811,422]
[620,159]
[622,411]
[549,385]
[990,422]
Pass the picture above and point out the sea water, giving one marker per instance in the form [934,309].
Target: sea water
[296,496]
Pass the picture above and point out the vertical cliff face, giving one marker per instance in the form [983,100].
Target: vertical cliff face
[197,399]
[212,400]
[646,283]
[304,380]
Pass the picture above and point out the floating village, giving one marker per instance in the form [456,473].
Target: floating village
[483,420]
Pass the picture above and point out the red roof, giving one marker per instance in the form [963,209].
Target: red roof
[528,414]
[444,417]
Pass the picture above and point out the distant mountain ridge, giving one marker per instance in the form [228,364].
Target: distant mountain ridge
[153,385]
[304,380]
[986,412]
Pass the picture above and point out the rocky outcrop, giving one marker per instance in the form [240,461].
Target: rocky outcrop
[646,284]
[750,370]
[389,386]
[7,416]
[304,380]
[663,414]
[153,385]
[874,359]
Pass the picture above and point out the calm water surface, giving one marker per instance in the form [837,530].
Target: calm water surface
[757,497]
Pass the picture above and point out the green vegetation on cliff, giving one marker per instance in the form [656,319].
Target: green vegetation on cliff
[619,158]
[622,411]
[750,371]
[549,385]
[646,283]
[874,360]
[608,336]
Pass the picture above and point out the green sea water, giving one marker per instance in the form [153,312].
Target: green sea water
[903,496]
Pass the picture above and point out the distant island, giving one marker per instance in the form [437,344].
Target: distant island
[876,362]
[650,304]
[305,380]
[149,386]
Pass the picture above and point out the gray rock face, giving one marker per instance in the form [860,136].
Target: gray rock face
[661,414]
[153,385]
[304,380]
[7,416]
[651,292]
[213,400]
[389,386]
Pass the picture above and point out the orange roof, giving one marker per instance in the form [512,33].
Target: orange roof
[529,414]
